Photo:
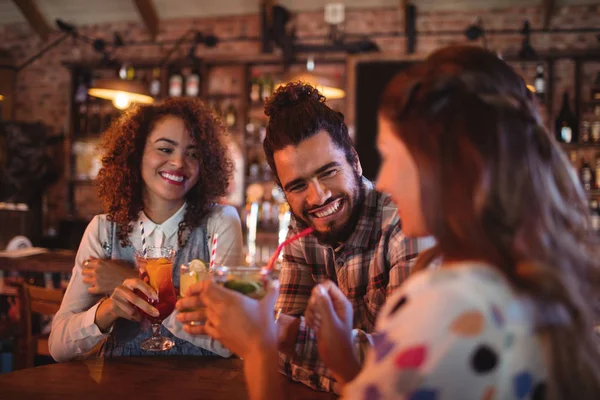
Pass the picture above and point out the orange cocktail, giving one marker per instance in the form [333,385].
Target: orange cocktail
[156,269]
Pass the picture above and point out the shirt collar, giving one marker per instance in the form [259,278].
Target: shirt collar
[368,219]
[169,227]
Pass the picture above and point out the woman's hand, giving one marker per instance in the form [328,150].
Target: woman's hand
[240,323]
[103,276]
[125,303]
[329,314]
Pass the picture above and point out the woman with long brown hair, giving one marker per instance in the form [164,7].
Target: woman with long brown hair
[510,312]
[164,168]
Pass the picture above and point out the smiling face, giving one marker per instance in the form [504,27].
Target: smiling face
[170,165]
[398,176]
[323,190]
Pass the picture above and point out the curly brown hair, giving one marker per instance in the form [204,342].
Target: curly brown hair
[120,181]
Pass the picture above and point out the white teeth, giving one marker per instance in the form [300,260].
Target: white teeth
[176,178]
[333,208]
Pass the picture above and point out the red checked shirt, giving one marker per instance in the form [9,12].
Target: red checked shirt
[368,267]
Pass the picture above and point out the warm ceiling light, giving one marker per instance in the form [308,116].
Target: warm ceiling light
[326,86]
[1,97]
[121,92]
[531,88]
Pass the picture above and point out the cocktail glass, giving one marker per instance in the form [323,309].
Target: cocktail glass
[249,281]
[190,273]
[156,269]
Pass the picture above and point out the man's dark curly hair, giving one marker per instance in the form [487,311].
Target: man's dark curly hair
[298,111]
[120,180]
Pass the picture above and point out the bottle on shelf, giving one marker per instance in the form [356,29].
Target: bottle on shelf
[175,84]
[230,116]
[155,82]
[566,123]
[81,90]
[539,83]
[267,88]
[192,84]
[123,72]
[255,88]
[130,73]
[595,91]
[586,132]
[254,169]
[587,178]
[595,125]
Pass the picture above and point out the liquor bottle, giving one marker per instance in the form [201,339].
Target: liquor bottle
[586,175]
[595,215]
[175,84]
[586,133]
[192,84]
[565,124]
[81,91]
[595,91]
[230,116]
[595,126]
[155,82]
[267,88]
[597,172]
[123,72]
[130,73]
[255,88]
[540,83]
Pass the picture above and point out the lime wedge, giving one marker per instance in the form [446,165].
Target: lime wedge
[197,266]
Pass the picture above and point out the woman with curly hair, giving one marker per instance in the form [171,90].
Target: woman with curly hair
[164,167]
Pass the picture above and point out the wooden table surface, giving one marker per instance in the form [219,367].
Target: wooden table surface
[164,378]
[54,261]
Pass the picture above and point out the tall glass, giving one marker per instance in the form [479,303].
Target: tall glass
[156,269]
[190,273]
[250,281]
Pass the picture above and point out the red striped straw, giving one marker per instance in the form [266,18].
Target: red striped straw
[213,252]
[275,255]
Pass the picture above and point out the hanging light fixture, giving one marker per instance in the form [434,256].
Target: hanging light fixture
[121,92]
[325,85]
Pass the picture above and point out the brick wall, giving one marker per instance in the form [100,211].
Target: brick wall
[43,88]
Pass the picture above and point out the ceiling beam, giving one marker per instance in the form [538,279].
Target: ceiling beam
[149,16]
[34,17]
[548,7]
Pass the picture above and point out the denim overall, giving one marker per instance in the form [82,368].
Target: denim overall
[127,336]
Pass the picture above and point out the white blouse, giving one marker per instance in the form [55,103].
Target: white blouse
[74,332]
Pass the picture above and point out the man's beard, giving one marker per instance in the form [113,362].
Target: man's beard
[336,235]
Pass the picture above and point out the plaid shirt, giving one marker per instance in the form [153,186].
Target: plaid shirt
[368,267]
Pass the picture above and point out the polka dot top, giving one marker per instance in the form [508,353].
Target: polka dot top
[457,333]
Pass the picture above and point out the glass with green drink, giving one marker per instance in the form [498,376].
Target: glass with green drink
[250,281]
[190,273]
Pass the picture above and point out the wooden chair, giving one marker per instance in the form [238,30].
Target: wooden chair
[34,299]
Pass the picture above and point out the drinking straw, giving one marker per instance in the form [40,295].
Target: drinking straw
[275,255]
[213,252]
[144,250]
